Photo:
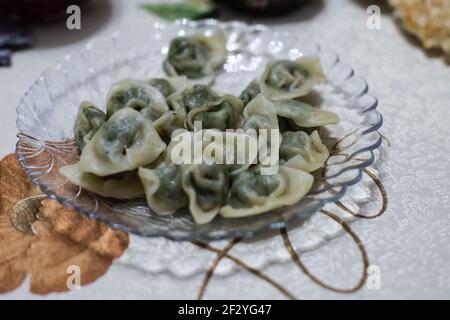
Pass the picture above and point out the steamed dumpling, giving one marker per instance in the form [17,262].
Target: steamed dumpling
[169,86]
[302,151]
[163,86]
[163,188]
[222,113]
[182,148]
[259,114]
[207,188]
[120,186]
[167,124]
[285,79]
[237,150]
[252,193]
[303,114]
[261,118]
[138,95]
[196,56]
[125,142]
[192,97]
[87,122]
[250,92]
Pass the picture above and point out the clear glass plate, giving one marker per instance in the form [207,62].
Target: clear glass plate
[47,112]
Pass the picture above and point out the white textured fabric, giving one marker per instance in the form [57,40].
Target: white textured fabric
[410,244]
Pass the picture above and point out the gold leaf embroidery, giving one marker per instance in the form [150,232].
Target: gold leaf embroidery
[25,213]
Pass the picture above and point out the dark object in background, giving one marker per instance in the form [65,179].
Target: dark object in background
[17,15]
[37,10]
[13,36]
[263,7]
[5,57]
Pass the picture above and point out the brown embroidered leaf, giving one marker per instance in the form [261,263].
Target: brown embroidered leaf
[13,186]
[45,243]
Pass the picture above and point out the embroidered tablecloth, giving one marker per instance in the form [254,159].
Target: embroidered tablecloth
[406,250]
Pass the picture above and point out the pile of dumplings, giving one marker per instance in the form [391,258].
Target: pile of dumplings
[126,151]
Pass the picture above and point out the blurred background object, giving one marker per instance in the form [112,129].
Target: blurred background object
[192,10]
[13,36]
[263,7]
[429,21]
[201,9]
[43,23]
[37,10]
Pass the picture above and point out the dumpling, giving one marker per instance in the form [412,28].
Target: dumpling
[260,113]
[192,97]
[222,113]
[138,95]
[302,151]
[285,79]
[207,188]
[167,124]
[250,92]
[289,125]
[163,188]
[125,142]
[237,150]
[163,85]
[87,122]
[303,114]
[252,193]
[261,118]
[169,86]
[120,186]
[181,149]
[196,56]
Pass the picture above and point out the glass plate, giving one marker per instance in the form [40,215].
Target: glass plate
[47,112]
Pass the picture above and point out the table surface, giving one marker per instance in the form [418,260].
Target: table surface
[410,243]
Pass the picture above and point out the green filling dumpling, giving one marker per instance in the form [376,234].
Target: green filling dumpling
[303,114]
[119,186]
[167,124]
[252,193]
[190,98]
[163,188]
[250,92]
[221,113]
[125,142]
[163,85]
[286,79]
[250,188]
[302,151]
[138,95]
[259,114]
[207,189]
[88,121]
[196,56]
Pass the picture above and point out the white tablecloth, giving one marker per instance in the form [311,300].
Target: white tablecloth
[410,243]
